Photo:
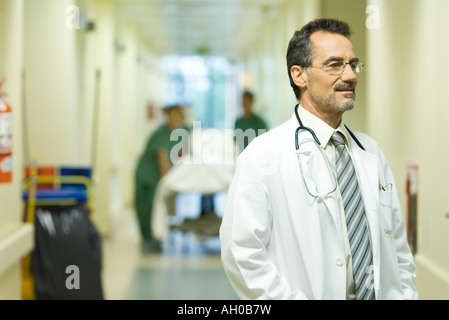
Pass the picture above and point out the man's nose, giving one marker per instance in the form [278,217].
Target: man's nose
[349,75]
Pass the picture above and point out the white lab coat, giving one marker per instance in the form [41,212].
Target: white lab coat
[278,242]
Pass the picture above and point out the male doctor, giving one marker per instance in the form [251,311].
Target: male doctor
[313,211]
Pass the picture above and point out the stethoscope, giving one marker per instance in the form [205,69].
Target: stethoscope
[319,195]
[302,127]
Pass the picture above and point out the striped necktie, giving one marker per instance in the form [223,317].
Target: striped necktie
[358,233]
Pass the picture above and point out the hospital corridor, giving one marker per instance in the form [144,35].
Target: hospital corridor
[124,124]
[188,268]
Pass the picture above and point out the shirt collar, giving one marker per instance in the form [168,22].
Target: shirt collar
[322,130]
[342,128]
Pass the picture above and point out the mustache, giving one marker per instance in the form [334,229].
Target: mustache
[345,85]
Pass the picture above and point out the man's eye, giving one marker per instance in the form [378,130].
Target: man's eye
[335,65]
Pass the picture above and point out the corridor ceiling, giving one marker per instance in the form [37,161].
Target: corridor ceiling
[210,27]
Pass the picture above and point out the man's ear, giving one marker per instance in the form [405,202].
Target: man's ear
[299,76]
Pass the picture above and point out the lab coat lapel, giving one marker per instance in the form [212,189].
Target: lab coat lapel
[317,165]
[315,216]
[331,204]
[295,180]
[324,205]
[367,169]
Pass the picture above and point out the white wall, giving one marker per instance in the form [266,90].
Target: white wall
[51,96]
[16,238]
[69,117]
[267,66]
[82,96]
[408,111]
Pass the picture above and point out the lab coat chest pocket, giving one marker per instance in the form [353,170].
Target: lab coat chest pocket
[385,210]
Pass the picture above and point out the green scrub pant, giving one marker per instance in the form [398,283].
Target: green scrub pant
[144,197]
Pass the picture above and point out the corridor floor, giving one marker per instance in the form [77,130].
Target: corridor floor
[186,269]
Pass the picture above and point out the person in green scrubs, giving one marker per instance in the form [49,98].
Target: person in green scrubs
[153,164]
[248,121]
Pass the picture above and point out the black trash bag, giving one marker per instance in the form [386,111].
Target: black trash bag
[67,259]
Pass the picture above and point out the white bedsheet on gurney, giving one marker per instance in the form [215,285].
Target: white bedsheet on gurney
[211,177]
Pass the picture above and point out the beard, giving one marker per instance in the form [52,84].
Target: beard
[330,100]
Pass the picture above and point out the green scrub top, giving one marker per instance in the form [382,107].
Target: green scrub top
[148,171]
[255,122]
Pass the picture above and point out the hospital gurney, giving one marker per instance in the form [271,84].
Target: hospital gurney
[207,178]
[204,179]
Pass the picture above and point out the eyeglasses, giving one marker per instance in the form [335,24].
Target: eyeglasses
[317,172]
[337,67]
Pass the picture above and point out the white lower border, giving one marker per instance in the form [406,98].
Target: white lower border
[432,279]
[15,246]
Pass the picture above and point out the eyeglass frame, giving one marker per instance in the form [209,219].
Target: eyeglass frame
[359,65]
